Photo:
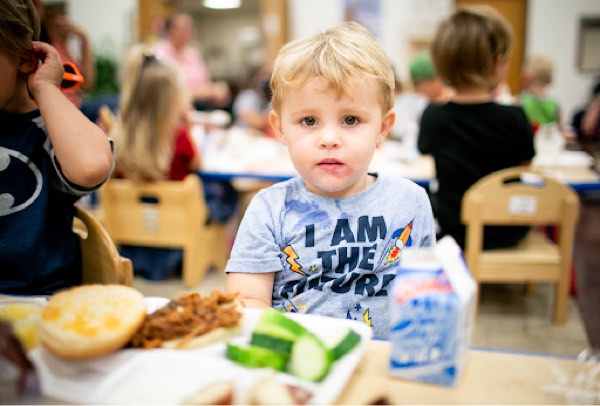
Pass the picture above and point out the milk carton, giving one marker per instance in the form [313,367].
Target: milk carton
[431,314]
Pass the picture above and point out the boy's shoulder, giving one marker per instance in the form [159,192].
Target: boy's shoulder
[15,126]
[399,186]
[280,191]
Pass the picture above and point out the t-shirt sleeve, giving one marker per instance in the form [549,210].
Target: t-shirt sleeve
[183,145]
[183,155]
[429,235]
[63,184]
[256,249]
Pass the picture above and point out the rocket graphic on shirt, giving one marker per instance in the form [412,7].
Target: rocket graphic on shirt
[400,238]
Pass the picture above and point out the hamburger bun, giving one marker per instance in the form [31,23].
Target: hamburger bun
[91,320]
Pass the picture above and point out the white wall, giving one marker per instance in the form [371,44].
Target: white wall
[111,24]
[307,17]
[407,23]
[401,22]
[235,57]
[552,30]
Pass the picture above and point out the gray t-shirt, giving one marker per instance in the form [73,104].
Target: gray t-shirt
[333,257]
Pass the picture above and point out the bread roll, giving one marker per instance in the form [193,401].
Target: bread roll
[91,320]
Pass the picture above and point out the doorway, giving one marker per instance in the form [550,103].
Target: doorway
[515,11]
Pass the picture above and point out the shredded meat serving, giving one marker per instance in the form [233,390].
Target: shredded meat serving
[186,317]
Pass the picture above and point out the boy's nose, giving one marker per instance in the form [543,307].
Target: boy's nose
[329,138]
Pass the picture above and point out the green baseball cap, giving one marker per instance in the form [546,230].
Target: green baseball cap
[421,67]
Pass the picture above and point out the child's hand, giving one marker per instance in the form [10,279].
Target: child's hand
[49,71]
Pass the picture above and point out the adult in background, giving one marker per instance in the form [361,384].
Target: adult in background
[177,47]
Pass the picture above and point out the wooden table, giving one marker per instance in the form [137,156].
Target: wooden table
[490,377]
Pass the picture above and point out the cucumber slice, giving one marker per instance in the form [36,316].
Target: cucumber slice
[256,357]
[276,344]
[276,324]
[348,341]
[310,359]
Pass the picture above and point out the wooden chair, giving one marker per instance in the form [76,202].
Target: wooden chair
[504,198]
[101,261]
[169,214]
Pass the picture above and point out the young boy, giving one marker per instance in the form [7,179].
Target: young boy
[50,155]
[472,136]
[536,76]
[328,242]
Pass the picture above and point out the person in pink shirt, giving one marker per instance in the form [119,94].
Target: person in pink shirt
[177,48]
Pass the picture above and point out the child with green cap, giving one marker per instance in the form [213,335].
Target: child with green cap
[425,79]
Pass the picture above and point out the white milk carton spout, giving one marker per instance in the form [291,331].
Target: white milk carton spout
[431,314]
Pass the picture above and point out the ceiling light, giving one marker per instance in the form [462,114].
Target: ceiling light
[222,4]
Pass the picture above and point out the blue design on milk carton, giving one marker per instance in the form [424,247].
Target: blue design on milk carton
[431,313]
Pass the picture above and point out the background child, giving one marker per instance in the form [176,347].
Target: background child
[472,136]
[151,125]
[426,81]
[50,156]
[328,242]
[154,143]
[536,76]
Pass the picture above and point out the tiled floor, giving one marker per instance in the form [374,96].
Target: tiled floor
[509,318]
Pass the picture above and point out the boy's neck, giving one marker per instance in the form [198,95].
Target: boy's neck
[21,102]
[472,94]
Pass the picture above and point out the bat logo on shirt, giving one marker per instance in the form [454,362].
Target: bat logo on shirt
[10,162]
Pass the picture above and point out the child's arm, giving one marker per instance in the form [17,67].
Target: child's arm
[256,289]
[81,147]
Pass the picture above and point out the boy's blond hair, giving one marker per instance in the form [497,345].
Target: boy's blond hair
[343,56]
[19,25]
[539,69]
[152,101]
[467,44]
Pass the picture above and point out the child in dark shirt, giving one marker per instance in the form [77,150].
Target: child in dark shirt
[50,156]
[471,135]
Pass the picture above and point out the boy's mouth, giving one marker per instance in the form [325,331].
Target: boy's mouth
[330,161]
[330,165]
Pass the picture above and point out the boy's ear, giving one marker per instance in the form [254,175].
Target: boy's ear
[28,63]
[386,125]
[275,122]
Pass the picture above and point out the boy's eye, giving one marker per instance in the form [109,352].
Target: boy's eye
[309,121]
[350,120]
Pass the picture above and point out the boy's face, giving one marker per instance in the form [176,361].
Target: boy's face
[331,137]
